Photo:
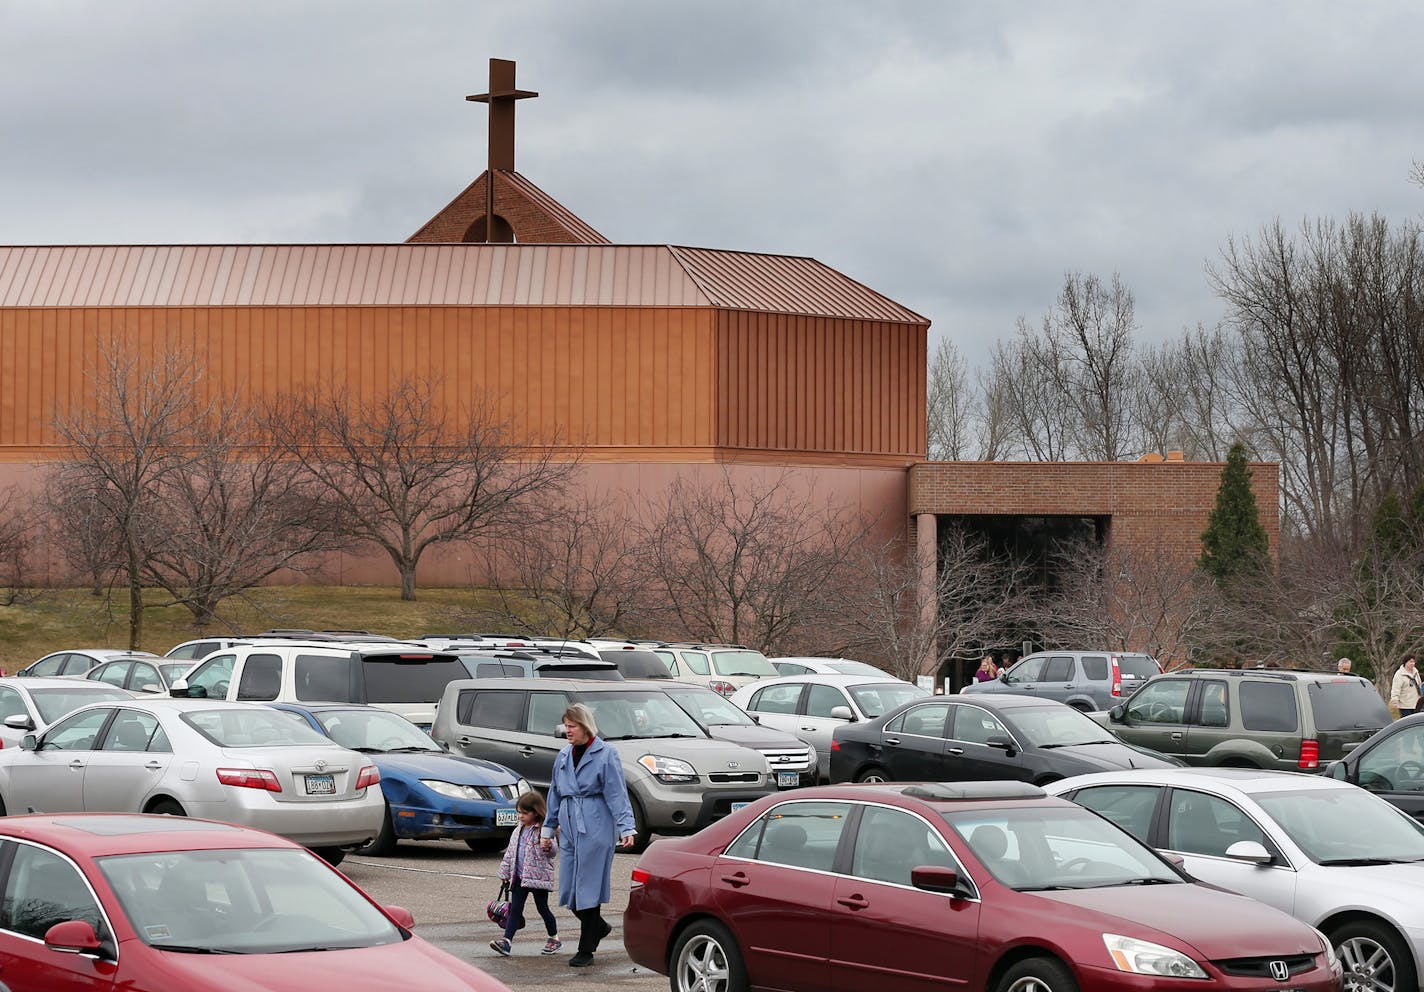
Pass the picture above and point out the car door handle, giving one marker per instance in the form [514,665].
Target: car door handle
[153,766]
[892,740]
[526,750]
[76,763]
[808,728]
[464,740]
[737,880]
[956,750]
[856,901]
[1068,685]
[1176,736]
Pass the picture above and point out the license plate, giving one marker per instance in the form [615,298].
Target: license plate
[737,806]
[506,817]
[320,785]
[788,780]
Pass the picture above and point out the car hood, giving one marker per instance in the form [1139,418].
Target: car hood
[1389,889]
[361,969]
[1109,756]
[704,755]
[446,767]
[1217,924]
[755,737]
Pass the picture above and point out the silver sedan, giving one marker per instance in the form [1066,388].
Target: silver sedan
[1329,853]
[240,762]
[29,705]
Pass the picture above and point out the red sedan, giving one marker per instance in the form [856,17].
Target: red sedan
[987,885]
[144,903]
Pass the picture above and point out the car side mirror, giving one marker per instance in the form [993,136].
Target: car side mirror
[400,916]
[1118,713]
[1338,769]
[73,937]
[842,713]
[559,732]
[1249,850]
[1175,860]
[936,878]
[1001,742]
[19,721]
[179,689]
[29,743]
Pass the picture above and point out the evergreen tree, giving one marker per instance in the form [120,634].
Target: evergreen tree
[1234,544]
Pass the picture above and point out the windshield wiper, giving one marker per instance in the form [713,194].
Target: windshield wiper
[194,949]
[1366,862]
[1049,888]
[303,950]
[411,748]
[1145,881]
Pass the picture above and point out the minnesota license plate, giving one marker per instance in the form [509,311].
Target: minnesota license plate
[506,817]
[788,780]
[737,806]
[320,785]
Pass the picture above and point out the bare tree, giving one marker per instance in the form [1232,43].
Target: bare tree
[238,513]
[1026,378]
[742,563]
[949,405]
[877,614]
[574,576]
[138,433]
[17,531]
[1090,332]
[85,534]
[405,473]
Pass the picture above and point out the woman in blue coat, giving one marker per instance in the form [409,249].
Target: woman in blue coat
[589,812]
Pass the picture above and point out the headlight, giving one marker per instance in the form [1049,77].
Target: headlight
[1142,958]
[1329,948]
[451,789]
[668,769]
[521,787]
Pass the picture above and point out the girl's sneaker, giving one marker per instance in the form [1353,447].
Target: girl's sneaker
[501,947]
[552,945]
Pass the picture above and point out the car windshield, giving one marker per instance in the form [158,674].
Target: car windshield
[854,668]
[1036,848]
[631,715]
[734,663]
[1345,826]
[256,727]
[243,902]
[1055,726]
[54,703]
[711,709]
[1347,703]
[374,731]
[880,697]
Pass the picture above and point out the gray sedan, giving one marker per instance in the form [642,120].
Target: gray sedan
[29,705]
[240,762]
[1329,853]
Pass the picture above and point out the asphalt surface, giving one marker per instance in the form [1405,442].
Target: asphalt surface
[447,886]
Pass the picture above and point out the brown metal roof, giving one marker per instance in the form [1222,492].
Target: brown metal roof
[431,275]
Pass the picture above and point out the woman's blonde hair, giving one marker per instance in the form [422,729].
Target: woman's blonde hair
[583,716]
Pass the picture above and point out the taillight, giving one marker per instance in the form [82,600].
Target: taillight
[1309,754]
[370,775]
[249,778]
[641,876]
[1116,677]
[835,744]
[725,688]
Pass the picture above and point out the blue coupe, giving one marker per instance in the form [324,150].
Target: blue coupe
[430,793]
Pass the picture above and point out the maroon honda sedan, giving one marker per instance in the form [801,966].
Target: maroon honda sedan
[977,885]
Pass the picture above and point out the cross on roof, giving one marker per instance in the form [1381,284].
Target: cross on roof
[501,96]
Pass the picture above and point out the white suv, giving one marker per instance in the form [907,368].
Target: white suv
[404,678]
[724,668]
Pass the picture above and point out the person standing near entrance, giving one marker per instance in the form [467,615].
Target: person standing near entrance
[588,812]
[1404,692]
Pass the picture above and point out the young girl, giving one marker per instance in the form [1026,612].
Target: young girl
[528,868]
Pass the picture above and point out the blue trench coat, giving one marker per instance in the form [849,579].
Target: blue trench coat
[590,803]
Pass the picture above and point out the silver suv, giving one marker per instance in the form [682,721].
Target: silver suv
[1085,680]
[679,779]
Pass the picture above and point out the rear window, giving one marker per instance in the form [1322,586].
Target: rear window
[1347,704]
[495,670]
[637,664]
[1137,666]
[256,727]
[1095,668]
[393,678]
[1269,706]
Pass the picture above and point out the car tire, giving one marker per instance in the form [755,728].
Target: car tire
[383,843]
[1358,944]
[704,950]
[167,807]
[872,774]
[331,855]
[1038,975]
[641,837]
[3,811]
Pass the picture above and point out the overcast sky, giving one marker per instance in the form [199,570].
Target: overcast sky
[958,157]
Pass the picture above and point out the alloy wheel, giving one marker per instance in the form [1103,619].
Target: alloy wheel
[702,966]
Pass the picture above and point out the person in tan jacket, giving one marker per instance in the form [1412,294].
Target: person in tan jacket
[1404,692]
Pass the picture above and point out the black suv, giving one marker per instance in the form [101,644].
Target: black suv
[1250,718]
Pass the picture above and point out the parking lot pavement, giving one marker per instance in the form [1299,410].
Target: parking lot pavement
[446,887]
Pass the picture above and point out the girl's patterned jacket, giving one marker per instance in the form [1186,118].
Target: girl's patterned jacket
[536,868]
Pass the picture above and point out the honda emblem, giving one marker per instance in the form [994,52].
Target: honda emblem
[1280,971]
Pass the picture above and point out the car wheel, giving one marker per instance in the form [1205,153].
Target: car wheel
[167,807]
[706,959]
[1038,975]
[331,855]
[1373,957]
[872,774]
[2,808]
[384,842]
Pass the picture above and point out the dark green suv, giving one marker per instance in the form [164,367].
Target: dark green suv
[1250,718]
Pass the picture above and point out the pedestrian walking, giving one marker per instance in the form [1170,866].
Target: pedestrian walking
[588,812]
[1404,692]
[529,869]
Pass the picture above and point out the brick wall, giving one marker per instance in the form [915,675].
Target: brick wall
[532,224]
